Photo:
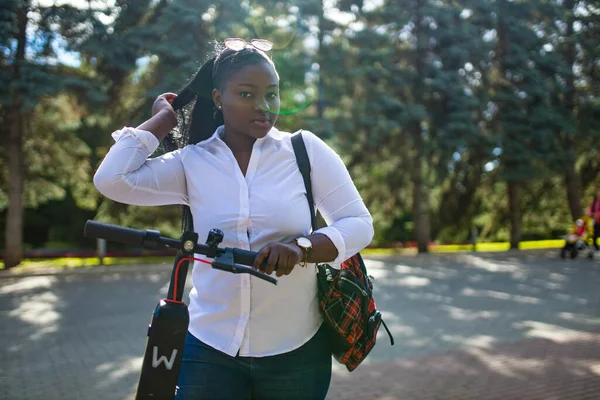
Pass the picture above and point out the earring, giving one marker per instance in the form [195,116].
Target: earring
[215,111]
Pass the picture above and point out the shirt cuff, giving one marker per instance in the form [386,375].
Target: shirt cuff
[146,138]
[338,241]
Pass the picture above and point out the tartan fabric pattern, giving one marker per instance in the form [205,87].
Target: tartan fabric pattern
[346,301]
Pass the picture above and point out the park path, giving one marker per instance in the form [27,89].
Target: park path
[467,326]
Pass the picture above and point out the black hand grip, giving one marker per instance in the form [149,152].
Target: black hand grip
[114,233]
[244,257]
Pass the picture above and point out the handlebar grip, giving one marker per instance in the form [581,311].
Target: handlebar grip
[114,233]
[244,257]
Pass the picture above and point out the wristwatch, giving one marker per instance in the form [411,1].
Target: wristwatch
[305,244]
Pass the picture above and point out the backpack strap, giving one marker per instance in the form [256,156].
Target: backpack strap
[304,166]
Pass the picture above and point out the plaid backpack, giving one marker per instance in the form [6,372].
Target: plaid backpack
[345,294]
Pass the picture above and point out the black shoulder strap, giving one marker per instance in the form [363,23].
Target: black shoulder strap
[304,166]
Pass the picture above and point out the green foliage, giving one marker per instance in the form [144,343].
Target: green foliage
[473,92]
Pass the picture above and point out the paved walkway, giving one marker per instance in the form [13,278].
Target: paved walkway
[486,326]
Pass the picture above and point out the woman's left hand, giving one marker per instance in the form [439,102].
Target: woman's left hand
[278,257]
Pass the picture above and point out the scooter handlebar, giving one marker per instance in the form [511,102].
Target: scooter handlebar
[116,233]
[152,239]
[245,257]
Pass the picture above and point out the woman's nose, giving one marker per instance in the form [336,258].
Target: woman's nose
[263,105]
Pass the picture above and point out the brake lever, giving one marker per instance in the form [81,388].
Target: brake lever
[258,274]
[225,263]
[242,269]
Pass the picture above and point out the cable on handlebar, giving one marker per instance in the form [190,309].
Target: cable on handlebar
[176,279]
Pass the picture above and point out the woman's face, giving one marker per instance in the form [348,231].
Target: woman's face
[250,100]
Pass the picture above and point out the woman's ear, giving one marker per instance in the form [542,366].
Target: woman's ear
[217,98]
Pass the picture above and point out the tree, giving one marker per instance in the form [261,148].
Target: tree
[525,117]
[409,93]
[570,37]
[444,111]
[15,14]
[30,71]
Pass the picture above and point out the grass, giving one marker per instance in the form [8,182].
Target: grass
[498,246]
[483,247]
[71,262]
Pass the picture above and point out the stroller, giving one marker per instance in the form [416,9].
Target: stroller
[579,239]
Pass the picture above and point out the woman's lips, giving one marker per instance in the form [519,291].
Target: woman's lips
[262,122]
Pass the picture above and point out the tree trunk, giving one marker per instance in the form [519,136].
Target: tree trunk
[515,213]
[573,184]
[13,253]
[572,180]
[321,62]
[421,210]
[420,193]
[512,187]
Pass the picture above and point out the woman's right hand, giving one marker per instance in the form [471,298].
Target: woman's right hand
[163,103]
[163,116]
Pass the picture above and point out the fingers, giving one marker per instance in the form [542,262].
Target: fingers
[271,262]
[275,257]
[261,257]
[170,97]
[283,267]
[287,262]
[163,102]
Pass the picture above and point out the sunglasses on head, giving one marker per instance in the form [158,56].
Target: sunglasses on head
[237,44]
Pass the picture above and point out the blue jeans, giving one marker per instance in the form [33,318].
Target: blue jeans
[301,374]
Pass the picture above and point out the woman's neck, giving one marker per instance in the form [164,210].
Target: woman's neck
[237,142]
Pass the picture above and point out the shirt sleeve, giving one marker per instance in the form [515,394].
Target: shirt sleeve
[127,175]
[349,223]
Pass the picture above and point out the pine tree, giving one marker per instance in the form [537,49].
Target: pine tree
[525,119]
[29,71]
[409,105]
[572,38]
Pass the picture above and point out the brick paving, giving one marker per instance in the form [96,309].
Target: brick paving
[484,326]
[532,369]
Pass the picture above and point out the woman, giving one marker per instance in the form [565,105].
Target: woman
[238,173]
[594,213]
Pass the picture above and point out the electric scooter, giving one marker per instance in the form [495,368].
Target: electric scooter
[169,325]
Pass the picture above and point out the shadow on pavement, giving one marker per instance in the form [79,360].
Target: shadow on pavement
[533,369]
[437,303]
[75,336]
[467,326]
[482,326]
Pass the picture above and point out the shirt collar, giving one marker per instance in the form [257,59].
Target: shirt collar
[273,134]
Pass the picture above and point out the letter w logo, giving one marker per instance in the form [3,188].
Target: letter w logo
[156,361]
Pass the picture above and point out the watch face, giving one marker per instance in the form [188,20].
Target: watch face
[304,242]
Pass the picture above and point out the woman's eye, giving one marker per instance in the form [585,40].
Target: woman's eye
[246,94]
[272,95]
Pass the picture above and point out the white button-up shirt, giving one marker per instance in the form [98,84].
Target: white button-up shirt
[238,312]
